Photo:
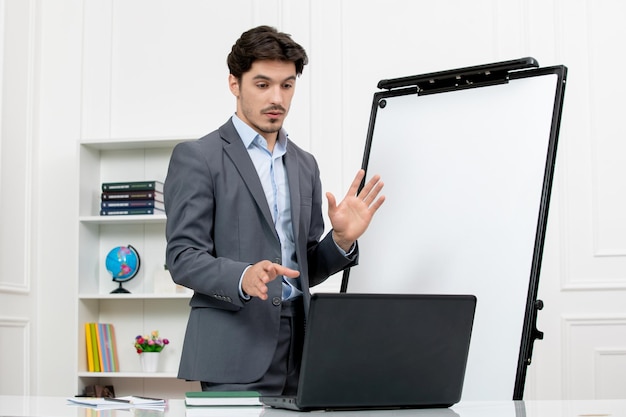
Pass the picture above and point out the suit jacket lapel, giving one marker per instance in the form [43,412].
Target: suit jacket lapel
[239,155]
[293,177]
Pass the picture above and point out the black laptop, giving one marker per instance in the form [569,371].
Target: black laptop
[381,351]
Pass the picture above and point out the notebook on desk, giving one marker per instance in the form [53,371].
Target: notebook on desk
[377,351]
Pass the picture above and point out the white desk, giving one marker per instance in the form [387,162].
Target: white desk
[17,406]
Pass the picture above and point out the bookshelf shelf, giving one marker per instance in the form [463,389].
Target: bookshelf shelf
[131,297]
[127,374]
[148,307]
[116,144]
[137,219]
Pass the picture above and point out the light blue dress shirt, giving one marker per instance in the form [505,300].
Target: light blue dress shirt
[273,176]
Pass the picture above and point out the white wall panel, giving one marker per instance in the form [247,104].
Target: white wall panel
[17,63]
[16,352]
[16,36]
[594,363]
[596,246]
[610,368]
[57,84]
[608,150]
[96,69]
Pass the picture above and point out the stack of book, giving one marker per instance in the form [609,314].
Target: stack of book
[101,348]
[132,197]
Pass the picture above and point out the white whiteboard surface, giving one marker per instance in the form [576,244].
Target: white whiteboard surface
[463,174]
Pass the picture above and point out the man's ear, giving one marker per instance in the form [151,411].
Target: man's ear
[233,84]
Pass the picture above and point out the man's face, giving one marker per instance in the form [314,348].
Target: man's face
[264,95]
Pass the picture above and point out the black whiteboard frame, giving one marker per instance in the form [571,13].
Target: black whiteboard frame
[476,77]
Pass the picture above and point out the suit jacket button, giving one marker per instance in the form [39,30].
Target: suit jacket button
[278,261]
[276,301]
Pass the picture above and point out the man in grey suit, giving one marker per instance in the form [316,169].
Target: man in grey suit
[244,228]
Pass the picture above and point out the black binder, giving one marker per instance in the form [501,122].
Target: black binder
[468,158]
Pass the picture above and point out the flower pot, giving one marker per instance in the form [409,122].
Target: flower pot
[149,361]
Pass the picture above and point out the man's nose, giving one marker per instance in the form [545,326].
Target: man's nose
[277,95]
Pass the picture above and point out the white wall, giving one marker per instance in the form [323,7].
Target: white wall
[18,284]
[142,68]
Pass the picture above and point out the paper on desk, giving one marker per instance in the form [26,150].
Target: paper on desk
[143,401]
[99,403]
[126,402]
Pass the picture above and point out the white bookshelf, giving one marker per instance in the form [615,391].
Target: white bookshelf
[143,310]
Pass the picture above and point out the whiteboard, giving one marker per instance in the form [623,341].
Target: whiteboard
[467,177]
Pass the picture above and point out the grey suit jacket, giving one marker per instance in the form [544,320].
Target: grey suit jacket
[218,223]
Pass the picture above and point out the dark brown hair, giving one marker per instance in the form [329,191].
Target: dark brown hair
[264,42]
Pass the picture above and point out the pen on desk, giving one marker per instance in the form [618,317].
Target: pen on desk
[116,400]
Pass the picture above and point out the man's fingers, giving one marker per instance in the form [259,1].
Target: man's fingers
[273,270]
[332,202]
[263,272]
[354,187]
[287,272]
[374,192]
[372,186]
[259,287]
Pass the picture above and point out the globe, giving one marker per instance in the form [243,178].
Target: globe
[123,263]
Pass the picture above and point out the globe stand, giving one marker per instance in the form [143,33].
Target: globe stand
[120,290]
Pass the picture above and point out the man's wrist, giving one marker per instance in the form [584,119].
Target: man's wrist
[345,246]
[242,293]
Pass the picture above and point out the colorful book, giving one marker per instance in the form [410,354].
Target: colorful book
[131,195]
[130,211]
[94,347]
[222,398]
[90,365]
[108,349]
[133,186]
[124,204]
[100,344]
[115,362]
[101,347]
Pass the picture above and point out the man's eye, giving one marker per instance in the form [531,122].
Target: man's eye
[287,86]
[261,85]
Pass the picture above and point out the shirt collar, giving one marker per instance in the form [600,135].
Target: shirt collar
[248,135]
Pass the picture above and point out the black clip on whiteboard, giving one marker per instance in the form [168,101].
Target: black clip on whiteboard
[467,157]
